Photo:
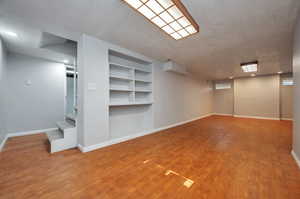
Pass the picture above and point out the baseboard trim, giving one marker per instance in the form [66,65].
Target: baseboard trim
[256,117]
[296,158]
[3,142]
[9,135]
[30,132]
[288,119]
[130,137]
[223,114]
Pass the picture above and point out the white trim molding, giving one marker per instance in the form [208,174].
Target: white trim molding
[30,132]
[3,142]
[296,158]
[288,119]
[223,114]
[130,137]
[9,135]
[257,117]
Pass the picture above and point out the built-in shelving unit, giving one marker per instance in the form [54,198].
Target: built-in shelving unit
[131,98]
[130,81]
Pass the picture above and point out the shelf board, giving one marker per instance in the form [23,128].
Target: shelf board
[142,70]
[121,89]
[129,67]
[143,91]
[121,65]
[120,77]
[130,103]
[140,80]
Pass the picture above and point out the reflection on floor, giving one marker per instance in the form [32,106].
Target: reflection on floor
[216,157]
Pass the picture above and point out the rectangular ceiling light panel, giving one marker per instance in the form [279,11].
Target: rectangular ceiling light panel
[169,15]
[249,67]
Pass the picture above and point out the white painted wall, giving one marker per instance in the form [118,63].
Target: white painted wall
[3,61]
[178,98]
[257,96]
[93,91]
[296,73]
[38,105]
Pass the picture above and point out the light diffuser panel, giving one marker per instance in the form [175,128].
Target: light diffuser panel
[169,15]
[249,67]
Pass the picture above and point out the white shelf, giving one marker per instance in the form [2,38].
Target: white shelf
[143,91]
[120,65]
[129,103]
[130,81]
[142,80]
[142,70]
[120,77]
[121,89]
[130,67]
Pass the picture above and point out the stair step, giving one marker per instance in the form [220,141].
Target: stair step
[54,135]
[71,116]
[65,125]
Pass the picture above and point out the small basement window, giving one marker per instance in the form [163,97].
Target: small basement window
[219,86]
[287,82]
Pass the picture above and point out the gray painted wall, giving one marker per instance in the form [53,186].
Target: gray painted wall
[296,73]
[179,98]
[257,96]
[3,60]
[286,99]
[39,104]
[93,91]
[224,99]
[70,96]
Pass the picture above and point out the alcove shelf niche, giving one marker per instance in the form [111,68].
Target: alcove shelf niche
[130,80]
[131,97]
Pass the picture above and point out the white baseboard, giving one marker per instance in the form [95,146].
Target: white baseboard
[3,142]
[289,119]
[24,133]
[30,132]
[130,137]
[223,114]
[296,158]
[256,117]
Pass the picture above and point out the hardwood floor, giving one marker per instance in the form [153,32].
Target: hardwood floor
[223,157]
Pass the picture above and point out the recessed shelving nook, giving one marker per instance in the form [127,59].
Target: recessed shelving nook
[130,80]
[130,107]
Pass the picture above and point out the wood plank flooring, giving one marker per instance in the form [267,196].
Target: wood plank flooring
[224,157]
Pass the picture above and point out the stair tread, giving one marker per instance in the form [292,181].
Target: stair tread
[65,125]
[71,116]
[54,135]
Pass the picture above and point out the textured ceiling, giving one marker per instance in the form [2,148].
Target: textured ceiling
[231,31]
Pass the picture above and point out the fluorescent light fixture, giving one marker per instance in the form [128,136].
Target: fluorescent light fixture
[9,33]
[249,67]
[66,61]
[169,15]
[279,72]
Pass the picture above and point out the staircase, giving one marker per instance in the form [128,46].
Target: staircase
[65,137]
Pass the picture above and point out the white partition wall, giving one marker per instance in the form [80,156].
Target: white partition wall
[115,95]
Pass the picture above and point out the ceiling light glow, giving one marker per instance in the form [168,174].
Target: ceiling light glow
[249,67]
[169,15]
[66,61]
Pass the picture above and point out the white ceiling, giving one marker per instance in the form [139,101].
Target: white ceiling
[34,42]
[231,31]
